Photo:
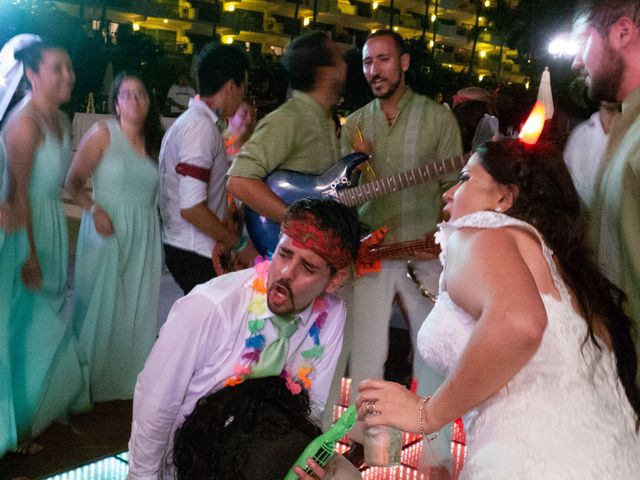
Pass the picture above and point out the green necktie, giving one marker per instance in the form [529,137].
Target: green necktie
[274,355]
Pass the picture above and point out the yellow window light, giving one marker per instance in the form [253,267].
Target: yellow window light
[375,5]
[482,54]
[431,44]
[230,7]
[228,39]
[135,27]
[433,17]
[480,78]
[395,29]
[487,3]
[306,21]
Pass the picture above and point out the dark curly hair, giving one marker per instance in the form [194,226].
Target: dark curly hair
[332,215]
[254,430]
[547,199]
[153,130]
[304,56]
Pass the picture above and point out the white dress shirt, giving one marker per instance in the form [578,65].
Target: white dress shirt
[199,345]
[193,140]
[584,156]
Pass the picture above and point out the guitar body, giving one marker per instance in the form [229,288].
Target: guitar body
[291,186]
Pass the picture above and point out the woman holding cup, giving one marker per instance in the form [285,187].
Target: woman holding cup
[539,355]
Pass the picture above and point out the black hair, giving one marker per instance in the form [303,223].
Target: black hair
[217,64]
[547,199]
[334,216]
[253,430]
[153,130]
[395,36]
[468,114]
[31,55]
[602,14]
[304,56]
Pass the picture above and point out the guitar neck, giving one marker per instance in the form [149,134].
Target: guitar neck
[402,249]
[399,181]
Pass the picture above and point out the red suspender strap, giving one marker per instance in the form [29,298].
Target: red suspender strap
[199,173]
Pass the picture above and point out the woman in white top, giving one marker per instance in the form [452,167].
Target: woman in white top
[538,352]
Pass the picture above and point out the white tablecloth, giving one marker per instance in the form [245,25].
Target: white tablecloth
[83,121]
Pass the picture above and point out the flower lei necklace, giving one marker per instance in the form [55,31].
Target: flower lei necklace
[255,342]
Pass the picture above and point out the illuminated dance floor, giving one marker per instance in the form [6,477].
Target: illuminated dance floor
[116,467]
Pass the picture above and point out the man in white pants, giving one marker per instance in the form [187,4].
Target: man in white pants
[403,130]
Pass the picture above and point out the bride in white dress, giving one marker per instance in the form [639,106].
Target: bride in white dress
[537,351]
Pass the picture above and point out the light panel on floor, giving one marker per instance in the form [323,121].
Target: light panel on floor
[111,468]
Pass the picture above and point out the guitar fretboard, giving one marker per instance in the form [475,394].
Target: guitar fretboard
[394,183]
[402,249]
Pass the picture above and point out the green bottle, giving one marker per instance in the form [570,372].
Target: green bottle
[321,448]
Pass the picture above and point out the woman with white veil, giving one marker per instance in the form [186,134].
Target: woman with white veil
[46,379]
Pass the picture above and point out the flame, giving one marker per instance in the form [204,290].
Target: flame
[532,128]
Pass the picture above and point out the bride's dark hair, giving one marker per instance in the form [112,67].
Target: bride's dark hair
[547,199]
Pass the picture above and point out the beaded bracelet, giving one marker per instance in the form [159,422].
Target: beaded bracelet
[424,401]
[242,243]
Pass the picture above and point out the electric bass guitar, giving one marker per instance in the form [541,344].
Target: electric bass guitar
[336,183]
[372,251]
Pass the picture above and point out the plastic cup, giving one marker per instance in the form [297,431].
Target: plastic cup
[382,446]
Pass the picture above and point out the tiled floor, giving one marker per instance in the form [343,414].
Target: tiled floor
[115,467]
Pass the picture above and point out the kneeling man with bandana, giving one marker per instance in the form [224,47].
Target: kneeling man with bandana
[280,318]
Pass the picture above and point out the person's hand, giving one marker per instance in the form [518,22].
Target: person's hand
[318,471]
[388,403]
[102,222]
[431,250]
[361,144]
[421,255]
[245,257]
[31,273]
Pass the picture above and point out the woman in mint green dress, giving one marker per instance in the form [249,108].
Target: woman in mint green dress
[47,376]
[8,277]
[118,258]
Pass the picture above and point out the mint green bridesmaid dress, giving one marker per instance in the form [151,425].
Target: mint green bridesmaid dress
[117,278]
[7,289]
[48,372]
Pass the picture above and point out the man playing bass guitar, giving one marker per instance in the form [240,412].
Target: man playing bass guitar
[301,134]
[402,129]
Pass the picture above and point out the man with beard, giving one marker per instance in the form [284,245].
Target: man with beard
[277,319]
[403,130]
[609,57]
[301,135]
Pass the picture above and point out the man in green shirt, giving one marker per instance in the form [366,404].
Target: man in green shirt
[301,134]
[403,130]
[609,55]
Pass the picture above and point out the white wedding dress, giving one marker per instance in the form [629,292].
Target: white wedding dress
[563,416]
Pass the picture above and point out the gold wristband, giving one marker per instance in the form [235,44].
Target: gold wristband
[423,416]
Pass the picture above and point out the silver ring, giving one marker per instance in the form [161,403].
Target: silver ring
[371,408]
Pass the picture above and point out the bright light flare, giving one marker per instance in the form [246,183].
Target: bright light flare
[563,45]
[532,128]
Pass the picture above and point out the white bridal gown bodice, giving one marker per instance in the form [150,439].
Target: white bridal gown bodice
[563,416]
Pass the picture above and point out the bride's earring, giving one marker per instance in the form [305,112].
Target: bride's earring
[498,209]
